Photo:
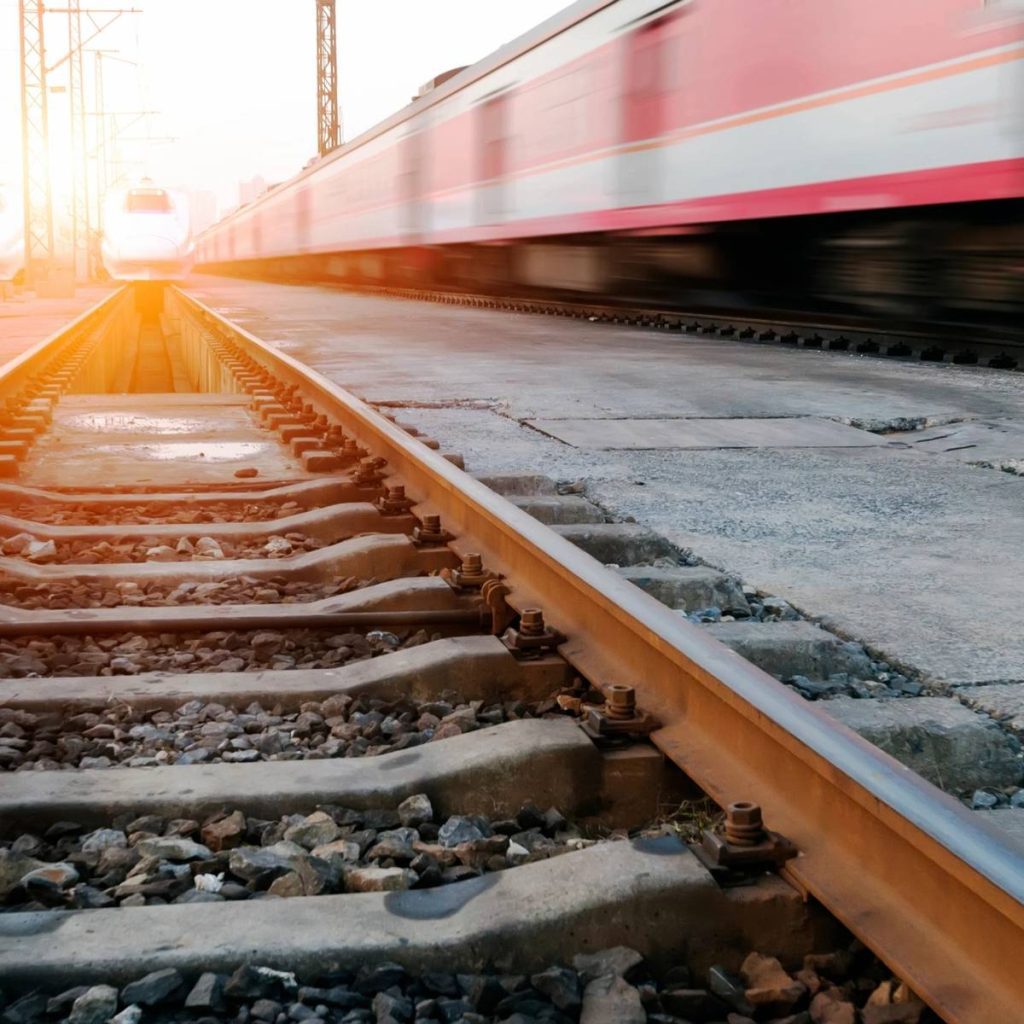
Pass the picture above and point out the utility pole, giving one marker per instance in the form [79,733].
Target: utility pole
[37,196]
[35,144]
[328,120]
[80,230]
[95,259]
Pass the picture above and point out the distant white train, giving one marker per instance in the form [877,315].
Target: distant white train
[12,246]
[147,235]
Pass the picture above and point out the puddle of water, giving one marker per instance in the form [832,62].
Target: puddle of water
[210,451]
[130,422]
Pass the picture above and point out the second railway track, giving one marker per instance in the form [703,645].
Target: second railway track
[259,641]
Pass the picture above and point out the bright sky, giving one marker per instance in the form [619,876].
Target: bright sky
[234,81]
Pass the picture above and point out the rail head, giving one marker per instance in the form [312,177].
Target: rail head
[935,891]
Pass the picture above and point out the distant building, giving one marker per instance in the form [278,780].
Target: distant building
[203,205]
[251,189]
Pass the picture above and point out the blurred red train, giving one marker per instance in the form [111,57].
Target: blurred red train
[799,154]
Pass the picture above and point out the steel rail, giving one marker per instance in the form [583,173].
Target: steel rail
[938,894]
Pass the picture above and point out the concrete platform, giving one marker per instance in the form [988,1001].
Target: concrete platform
[26,319]
[909,549]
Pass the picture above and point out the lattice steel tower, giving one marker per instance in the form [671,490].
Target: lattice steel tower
[80,225]
[328,121]
[35,148]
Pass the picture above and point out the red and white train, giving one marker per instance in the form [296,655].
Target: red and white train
[862,154]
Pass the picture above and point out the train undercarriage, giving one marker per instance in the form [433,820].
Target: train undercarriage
[948,268]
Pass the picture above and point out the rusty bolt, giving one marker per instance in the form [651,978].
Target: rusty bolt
[531,622]
[430,531]
[470,574]
[394,501]
[620,701]
[744,825]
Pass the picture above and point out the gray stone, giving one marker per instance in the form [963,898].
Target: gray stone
[619,960]
[95,1006]
[29,1009]
[250,862]
[129,1015]
[152,988]
[315,830]
[13,868]
[457,830]
[415,810]
[730,988]
[173,848]
[60,875]
[560,985]
[265,1009]
[950,745]
[611,1000]
[786,649]
[344,849]
[207,993]
[103,839]
[396,843]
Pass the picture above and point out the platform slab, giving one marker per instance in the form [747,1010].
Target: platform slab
[914,552]
[26,319]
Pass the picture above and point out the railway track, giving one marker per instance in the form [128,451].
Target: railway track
[954,344]
[302,721]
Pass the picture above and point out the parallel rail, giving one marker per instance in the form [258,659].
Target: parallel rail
[957,344]
[938,894]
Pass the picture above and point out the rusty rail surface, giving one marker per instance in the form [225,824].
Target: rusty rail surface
[938,894]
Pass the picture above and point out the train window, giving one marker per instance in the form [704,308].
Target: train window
[150,200]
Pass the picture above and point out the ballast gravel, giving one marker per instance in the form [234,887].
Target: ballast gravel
[610,986]
[198,548]
[79,514]
[57,595]
[215,651]
[151,861]
[208,733]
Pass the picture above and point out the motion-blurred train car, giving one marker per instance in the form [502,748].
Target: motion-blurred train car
[801,154]
[147,235]
[12,246]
